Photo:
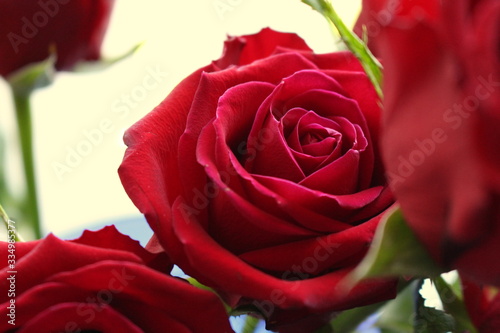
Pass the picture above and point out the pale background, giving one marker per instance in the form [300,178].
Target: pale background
[179,37]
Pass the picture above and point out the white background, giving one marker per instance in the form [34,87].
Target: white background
[179,37]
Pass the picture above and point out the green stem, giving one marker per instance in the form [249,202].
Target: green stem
[9,225]
[370,64]
[30,204]
[251,324]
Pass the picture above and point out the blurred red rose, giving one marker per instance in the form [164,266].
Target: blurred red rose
[261,178]
[441,138]
[30,28]
[483,306]
[103,281]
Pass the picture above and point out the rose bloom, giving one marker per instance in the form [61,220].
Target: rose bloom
[102,282]
[31,28]
[260,176]
[441,138]
[483,306]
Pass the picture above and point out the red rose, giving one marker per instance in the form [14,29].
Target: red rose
[441,139]
[103,281]
[260,177]
[483,306]
[30,28]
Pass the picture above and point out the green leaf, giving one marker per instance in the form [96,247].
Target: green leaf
[326,329]
[197,284]
[454,305]
[94,66]
[370,64]
[431,320]
[396,315]
[348,321]
[233,312]
[251,324]
[33,76]
[395,251]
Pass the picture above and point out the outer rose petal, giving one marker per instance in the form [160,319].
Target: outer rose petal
[66,316]
[172,299]
[51,247]
[163,126]
[241,279]
[244,50]
[85,285]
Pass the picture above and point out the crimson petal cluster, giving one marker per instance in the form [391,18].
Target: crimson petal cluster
[104,281]
[261,177]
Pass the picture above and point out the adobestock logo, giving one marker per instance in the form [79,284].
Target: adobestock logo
[31,26]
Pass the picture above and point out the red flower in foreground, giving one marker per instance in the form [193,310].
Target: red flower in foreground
[30,28]
[261,178]
[102,282]
[483,305]
[441,138]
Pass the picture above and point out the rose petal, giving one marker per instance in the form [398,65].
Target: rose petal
[338,207]
[210,88]
[240,278]
[122,242]
[75,256]
[229,203]
[311,257]
[68,316]
[338,178]
[244,50]
[308,123]
[152,145]
[146,286]
[272,157]
[39,298]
